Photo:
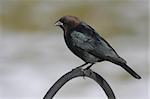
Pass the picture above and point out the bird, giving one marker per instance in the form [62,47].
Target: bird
[89,45]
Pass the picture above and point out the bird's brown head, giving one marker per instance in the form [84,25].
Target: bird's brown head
[67,23]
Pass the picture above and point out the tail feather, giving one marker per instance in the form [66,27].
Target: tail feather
[130,71]
[122,63]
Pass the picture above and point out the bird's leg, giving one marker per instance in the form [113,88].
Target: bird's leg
[84,70]
[82,65]
[90,66]
[87,68]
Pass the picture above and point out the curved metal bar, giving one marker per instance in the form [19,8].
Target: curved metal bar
[77,72]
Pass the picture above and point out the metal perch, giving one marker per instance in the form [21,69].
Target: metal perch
[77,72]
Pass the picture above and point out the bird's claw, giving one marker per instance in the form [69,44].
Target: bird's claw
[84,73]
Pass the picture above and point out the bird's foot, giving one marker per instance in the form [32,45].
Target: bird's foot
[81,70]
[84,73]
[87,72]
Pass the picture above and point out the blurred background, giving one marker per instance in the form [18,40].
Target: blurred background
[33,54]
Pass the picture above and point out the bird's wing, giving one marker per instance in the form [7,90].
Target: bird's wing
[90,44]
[86,38]
[83,41]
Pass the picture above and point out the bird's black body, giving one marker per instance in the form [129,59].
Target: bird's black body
[75,41]
[87,44]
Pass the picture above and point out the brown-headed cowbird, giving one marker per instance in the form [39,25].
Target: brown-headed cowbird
[87,44]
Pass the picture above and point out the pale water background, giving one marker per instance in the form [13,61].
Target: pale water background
[30,64]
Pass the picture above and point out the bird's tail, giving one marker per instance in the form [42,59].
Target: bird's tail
[126,67]
[130,71]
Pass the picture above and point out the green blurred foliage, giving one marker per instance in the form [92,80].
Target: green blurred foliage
[15,15]
[39,15]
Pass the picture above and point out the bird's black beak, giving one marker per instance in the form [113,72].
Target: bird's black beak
[58,23]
